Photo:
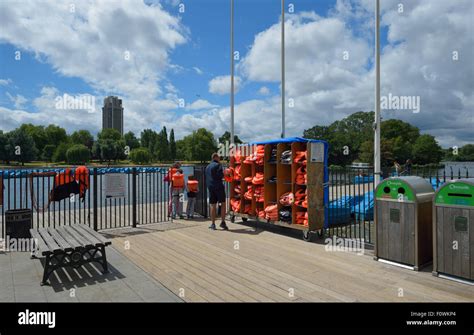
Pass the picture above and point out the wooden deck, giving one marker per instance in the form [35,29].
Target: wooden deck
[247,264]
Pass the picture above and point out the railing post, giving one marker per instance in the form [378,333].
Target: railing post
[94,195]
[134,197]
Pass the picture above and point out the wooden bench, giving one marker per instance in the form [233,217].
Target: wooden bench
[73,245]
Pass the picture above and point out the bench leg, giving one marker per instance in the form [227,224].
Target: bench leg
[104,260]
[46,271]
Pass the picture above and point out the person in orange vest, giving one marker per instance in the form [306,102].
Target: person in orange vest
[168,178]
[177,189]
[193,189]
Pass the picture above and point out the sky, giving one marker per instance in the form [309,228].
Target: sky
[169,61]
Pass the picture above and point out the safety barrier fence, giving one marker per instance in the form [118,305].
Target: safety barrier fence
[102,198]
[141,196]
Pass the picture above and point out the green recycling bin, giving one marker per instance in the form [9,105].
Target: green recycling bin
[403,221]
[453,235]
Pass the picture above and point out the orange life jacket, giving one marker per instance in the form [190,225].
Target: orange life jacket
[82,178]
[235,203]
[258,179]
[178,180]
[193,185]
[171,172]
[229,174]
[64,185]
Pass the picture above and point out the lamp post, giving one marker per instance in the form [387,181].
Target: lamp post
[282,68]
[232,71]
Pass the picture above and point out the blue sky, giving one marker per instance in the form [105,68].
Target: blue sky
[178,56]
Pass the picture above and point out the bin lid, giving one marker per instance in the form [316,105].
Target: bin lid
[458,192]
[408,188]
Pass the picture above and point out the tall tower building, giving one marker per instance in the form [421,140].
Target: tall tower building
[112,114]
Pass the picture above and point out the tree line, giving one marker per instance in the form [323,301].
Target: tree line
[350,139]
[52,144]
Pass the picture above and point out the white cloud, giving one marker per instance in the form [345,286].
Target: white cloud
[221,85]
[18,100]
[119,47]
[198,70]
[5,82]
[200,104]
[264,90]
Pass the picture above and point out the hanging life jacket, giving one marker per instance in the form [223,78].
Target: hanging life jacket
[64,185]
[81,175]
[193,186]
[178,180]
[169,177]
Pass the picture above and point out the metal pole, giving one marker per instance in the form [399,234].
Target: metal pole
[94,199]
[377,165]
[232,71]
[282,68]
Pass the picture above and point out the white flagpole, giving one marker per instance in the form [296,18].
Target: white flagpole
[282,68]
[377,165]
[232,71]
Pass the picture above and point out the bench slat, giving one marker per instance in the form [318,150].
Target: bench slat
[60,240]
[50,242]
[68,237]
[78,237]
[42,247]
[87,236]
[92,232]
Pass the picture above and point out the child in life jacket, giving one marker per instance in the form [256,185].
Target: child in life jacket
[177,189]
[193,189]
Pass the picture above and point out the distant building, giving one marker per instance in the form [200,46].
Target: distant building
[112,114]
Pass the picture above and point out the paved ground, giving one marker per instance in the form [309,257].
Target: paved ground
[20,279]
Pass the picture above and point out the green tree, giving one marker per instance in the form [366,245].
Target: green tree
[48,152]
[426,150]
[78,154]
[161,148]
[109,134]
[465,153]
[83,137]
[172,145]
[140,156]
[108,149]
[6,151]
[23,145]
[55,135]
[226,138]
[199,145]
[148,138]
[60,152]
[38,134]
[131,141]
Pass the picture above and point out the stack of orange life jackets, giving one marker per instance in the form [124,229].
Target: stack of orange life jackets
[302,218]
[300,157]
[261,213]
[301,198]
[301,178]
[249,194]
[248,209]
[237,172]
[235,204]
[259,193]
[271,212]
[257,156]
[258,179]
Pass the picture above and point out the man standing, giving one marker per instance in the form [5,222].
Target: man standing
[215,186]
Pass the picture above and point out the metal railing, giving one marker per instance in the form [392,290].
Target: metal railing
[145,199]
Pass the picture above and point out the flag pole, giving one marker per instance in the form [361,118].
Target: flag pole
[232,71]
[282,68]
[377,165]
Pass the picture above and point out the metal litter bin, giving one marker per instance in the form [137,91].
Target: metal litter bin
[18,223]
[453,225]
[403,221]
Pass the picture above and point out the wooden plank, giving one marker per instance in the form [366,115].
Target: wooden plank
[48,239]
[86,233]
[448,238]
[60,240]
[84,241]
[68,237]
[42,247]
[464,249]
